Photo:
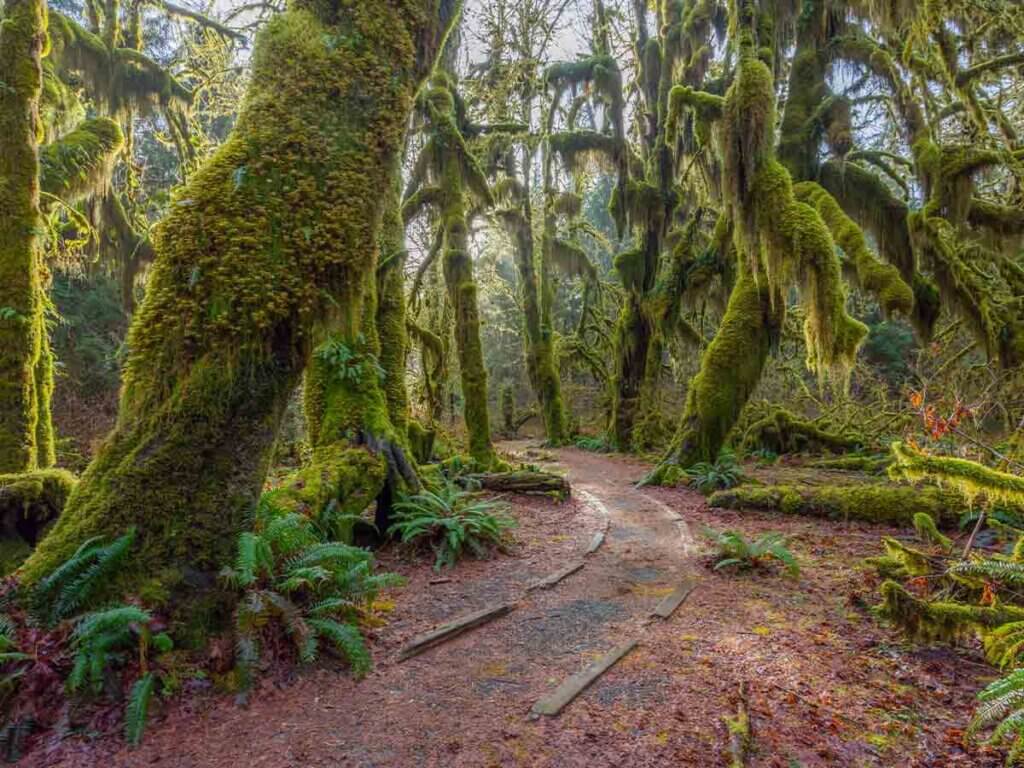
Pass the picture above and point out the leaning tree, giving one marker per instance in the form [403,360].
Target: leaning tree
[268,253]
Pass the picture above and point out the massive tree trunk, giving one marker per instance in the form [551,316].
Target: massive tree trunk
[269,239]
[25,373]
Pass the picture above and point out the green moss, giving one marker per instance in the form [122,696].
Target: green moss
[421,442]
[30,501]
[350,477]
[80,163]
[938,620]
[927,531]
[882,280]
[969,478]
[269,237]
[390,319]
[21,269]
[873,503]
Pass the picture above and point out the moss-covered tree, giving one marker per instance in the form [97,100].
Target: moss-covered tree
[273,241]
[448,179]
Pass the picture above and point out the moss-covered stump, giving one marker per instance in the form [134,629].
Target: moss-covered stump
[31,501]
[783,432]
[255,252]
[873,503]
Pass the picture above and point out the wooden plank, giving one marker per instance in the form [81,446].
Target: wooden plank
[549,581]
[598,539]
[668,605]
[453,629]
[574,685]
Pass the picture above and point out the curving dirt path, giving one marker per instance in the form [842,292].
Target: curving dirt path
[828,686]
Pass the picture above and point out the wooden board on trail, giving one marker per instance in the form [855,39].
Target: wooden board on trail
[452,629]
[668,605]
[549,581]
[574,685]
[598,539]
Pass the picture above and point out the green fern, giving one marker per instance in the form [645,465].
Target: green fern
[990,569]
[100,639]
[735,551]
[298,581]
[724,473]
[1004,645]
[74,584]
[137,711]
[453,522]
[1001,705]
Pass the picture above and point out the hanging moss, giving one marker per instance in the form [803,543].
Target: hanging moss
[80,163]
[570,259]
[781,431]
[22,35]
[255,251]
[872,503]
[882,280]
[576,149]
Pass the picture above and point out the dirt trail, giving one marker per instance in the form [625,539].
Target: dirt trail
[829,687]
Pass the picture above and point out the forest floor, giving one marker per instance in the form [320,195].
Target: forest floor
[828,686]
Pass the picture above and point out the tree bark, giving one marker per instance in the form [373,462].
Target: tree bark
[24,377]
[270,238]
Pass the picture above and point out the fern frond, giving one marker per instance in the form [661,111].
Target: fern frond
[347,640]
[137,711]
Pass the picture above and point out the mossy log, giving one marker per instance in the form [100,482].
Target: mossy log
[784,432]
[872,503]
[523,482]
[274,233]
[938,620]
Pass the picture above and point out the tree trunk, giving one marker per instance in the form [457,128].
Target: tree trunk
[274,234]
[729,372]
[540,358]
[458,275]
[391,330]
[25,377]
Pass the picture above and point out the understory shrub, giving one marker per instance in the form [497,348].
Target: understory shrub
[453,521]
[296,580]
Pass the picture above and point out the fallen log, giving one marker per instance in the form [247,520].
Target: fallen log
[885,503]
[523,482]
